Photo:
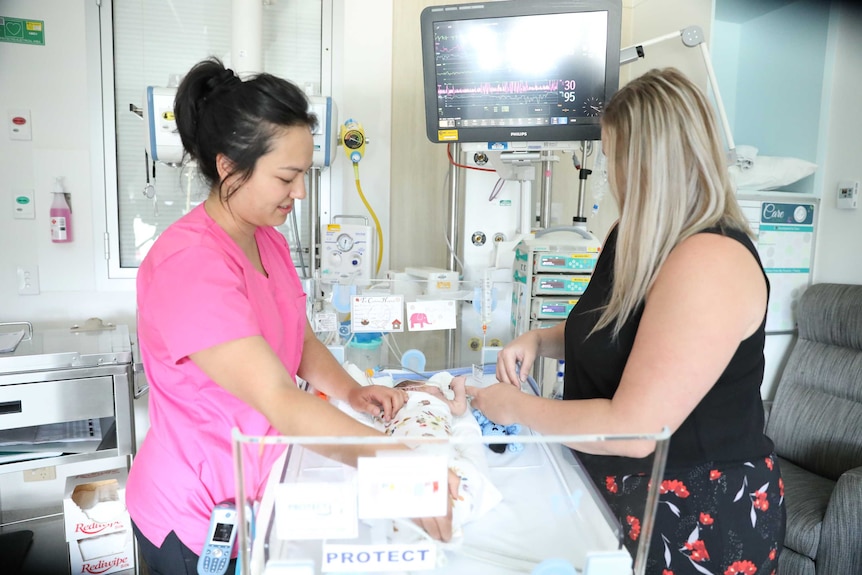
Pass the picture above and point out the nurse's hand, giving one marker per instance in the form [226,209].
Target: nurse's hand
[377,400]
[440,528]
[516,359]
[496,402]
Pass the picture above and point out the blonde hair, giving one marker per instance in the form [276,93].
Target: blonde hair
[667,171]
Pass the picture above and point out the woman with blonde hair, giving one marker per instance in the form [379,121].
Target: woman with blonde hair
[669,333]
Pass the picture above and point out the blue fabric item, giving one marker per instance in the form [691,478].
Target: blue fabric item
[413,359]
[489,428]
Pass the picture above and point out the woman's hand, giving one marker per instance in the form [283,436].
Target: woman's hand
[440,528]
[497,402]
[516,359]
[377,400]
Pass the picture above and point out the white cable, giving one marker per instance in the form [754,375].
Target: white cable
[395,349]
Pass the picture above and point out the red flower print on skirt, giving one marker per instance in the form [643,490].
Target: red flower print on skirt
[675,486]
[698,550]
[741,568]
[635,524]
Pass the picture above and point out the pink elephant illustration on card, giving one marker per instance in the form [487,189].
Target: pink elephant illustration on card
[418,318]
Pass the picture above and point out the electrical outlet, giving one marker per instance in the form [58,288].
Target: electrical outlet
[40,474]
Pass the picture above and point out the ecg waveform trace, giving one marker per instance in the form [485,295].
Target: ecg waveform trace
[511,101]
[513,87]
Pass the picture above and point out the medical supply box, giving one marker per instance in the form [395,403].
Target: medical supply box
[98,528]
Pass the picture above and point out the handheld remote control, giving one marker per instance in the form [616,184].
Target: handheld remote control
[215,556]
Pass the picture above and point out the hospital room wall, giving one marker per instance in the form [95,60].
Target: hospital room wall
[51,82]
[838,257]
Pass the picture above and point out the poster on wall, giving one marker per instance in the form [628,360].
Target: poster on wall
[22,31]
[785,232]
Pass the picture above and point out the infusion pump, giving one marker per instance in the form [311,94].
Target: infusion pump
[550,272]
[347,253]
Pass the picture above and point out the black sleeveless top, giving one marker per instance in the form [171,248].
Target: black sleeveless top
[727,424]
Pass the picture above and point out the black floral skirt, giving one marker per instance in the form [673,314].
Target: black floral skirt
[720,519]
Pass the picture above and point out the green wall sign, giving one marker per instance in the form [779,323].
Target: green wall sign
[21,31]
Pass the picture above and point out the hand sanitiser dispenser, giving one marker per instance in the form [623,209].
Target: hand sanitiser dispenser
[61,215]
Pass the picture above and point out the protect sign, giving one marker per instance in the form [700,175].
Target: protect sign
[378,558]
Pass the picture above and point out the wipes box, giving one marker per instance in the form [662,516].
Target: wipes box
[98,528]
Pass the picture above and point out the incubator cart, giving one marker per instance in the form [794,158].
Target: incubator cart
[65,411]
[313,514]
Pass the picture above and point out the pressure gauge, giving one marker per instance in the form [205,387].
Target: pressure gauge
[344,242]
[354,139]
[592,106]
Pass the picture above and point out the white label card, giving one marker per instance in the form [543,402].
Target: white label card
[325,321]
[402,485]
[431,315]
[478,373]
[377,313]
[379,558]
[317,510]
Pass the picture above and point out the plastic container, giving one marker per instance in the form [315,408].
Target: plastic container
[365,350]
[61,215]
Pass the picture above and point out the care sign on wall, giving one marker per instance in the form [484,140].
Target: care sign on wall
[22,31]
[785,242]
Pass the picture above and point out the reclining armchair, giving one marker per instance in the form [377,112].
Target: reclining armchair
[816,424]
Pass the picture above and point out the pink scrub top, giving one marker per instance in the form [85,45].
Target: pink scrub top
[196,289]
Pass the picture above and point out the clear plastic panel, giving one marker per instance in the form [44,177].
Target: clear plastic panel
[525,503]
[374,323]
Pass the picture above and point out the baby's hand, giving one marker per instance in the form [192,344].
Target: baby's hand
[458,404]
[377,400]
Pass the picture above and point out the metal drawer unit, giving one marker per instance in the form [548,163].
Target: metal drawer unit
[60,381]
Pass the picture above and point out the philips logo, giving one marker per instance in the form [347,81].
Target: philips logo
[517,134]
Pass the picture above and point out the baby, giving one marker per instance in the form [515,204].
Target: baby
[437,408]
[428,412]
[432,412]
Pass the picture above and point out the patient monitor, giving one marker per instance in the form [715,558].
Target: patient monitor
[519,74]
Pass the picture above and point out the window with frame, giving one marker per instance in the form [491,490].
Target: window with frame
[153,43]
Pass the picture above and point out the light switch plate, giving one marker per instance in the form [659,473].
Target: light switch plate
[24,205]
[848,192]
[28,280]
[19,125]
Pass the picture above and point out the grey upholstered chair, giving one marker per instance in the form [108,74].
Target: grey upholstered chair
[816,424]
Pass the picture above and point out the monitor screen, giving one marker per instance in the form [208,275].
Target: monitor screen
[518,74]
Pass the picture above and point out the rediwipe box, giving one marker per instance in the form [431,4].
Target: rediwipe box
[98,528]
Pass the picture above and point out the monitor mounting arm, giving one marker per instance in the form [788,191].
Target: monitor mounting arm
[691,36]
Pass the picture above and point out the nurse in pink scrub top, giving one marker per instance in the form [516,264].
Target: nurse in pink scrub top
[222,320]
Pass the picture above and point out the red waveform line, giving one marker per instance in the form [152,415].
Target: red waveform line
[515,87]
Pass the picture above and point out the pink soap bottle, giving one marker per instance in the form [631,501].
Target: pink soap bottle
[61,215]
